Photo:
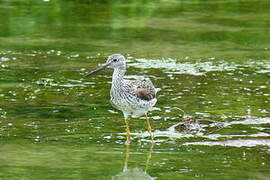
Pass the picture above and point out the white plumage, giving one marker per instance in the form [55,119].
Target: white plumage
[134,97]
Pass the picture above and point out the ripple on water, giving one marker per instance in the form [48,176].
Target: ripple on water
[237,140]
[234,143]
[171,66]
[198,68]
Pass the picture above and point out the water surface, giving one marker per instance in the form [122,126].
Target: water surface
[210,58]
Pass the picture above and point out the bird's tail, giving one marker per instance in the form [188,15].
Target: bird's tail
[157,90]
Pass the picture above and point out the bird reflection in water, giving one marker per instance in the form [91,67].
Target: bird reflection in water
[134,173]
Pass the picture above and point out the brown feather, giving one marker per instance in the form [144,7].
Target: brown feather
[144,94]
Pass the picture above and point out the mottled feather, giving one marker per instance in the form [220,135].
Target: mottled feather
[142,88]
[134,97]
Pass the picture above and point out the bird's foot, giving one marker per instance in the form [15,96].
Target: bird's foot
[127,142]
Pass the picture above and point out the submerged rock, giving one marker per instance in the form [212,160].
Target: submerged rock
[189,125]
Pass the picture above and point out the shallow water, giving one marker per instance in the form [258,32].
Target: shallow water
[210,58]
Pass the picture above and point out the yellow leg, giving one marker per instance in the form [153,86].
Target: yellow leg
[149,128]
[127,132]
[149,156]
[126,158]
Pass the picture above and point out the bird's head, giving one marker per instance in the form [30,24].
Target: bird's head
[116,61]
[113,61]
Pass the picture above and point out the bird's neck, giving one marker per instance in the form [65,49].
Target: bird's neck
[118,75]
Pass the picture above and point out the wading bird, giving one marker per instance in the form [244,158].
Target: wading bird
[133,97]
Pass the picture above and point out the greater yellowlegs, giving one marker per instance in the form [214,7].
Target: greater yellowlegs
[133,97]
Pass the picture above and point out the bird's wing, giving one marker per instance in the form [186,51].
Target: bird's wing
[142,88]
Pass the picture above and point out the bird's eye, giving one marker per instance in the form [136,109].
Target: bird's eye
[114,60]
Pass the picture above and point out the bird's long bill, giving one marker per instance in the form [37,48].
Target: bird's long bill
[97,70]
